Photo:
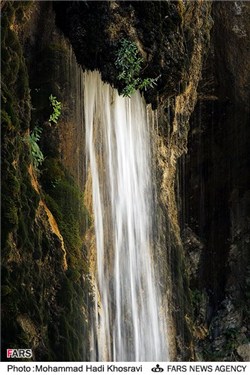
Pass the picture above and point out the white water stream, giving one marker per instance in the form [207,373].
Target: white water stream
[129,324]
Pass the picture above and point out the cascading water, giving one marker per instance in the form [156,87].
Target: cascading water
[130,324]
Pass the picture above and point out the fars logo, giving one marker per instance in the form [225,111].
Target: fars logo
[19,353]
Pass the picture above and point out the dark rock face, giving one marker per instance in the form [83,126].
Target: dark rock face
[217,186]
[154,26]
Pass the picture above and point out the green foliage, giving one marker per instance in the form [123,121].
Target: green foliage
[196,298]
[57,107]
[31,256]
[37,155]
[129,64]
[14,73]
[65,201]
[5,290]
[231,339]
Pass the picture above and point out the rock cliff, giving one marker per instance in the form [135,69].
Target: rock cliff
[199,54]
[216,190]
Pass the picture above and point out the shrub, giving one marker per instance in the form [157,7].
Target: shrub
[37,155]
[129,63]
[57,107]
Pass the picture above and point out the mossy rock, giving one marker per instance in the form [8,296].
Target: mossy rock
[5,290]
[30,256]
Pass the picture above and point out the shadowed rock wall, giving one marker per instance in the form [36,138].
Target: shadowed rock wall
[216,190]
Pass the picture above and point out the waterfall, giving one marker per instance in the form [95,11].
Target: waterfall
[130,321]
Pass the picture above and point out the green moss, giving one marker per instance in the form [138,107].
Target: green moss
[5,290]
[52,173]
[11,57]
[9,104]
[10,214]
[14,73]
[66,204]
[4,29]
[14,45]
[73,275]
[70,347]
[57,48]
[65,201]
[9,13]
[6,122]
[33,280]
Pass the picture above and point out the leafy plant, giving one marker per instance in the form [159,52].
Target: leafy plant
[57,107]
[129,63]
[37,155]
